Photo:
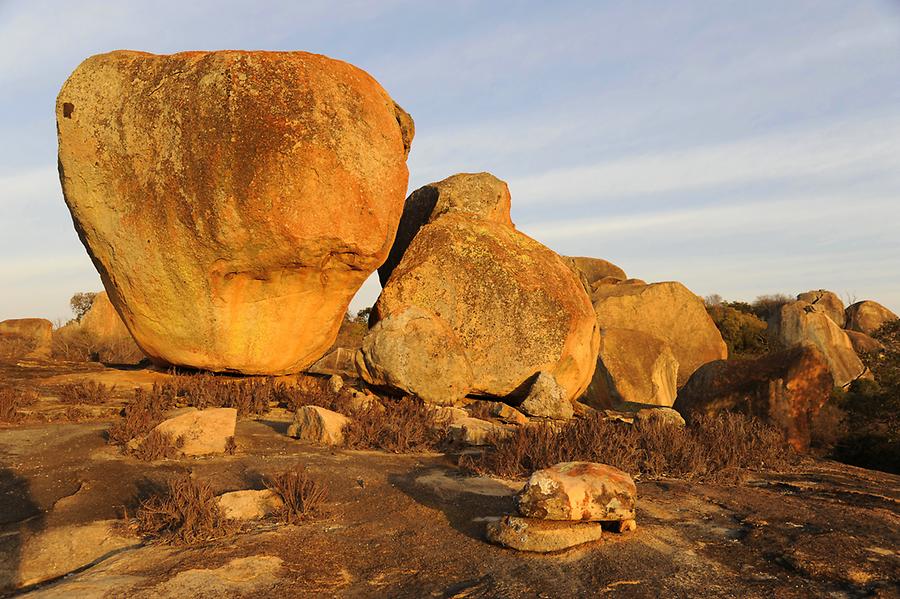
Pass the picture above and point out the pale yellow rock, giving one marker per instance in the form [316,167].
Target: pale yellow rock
[318,425]
[60,550]
[26,338]
[202,431]
[473,306]
[474,431]
[667,311]
[802,323]
[233,202]
[633,366]
[249,504]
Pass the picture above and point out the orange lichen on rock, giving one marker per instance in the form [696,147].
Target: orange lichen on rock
[233,202]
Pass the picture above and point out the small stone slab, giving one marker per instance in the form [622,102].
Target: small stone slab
[202,432]
[318,425]
[531,534]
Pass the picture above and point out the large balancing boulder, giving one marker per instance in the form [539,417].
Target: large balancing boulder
[472,306]
[802,323]
[669,312]
[233,202]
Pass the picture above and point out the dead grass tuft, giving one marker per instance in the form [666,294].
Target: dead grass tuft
[303,497]
[12,400]
[185,511]
[717,448]
[137,418]
[406,425]
[158,446]
[89,393]
[315,392]
[481,410]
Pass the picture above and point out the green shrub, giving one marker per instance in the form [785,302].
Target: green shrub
[744,333]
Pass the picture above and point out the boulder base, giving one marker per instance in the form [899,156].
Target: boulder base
[542,536]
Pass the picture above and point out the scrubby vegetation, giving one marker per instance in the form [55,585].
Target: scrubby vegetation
[743,332]
[87,393]
[400,426]
[12,400]
[81,302]
[303,497]
[715,449]
[76,345]
[862,426]
[185,511]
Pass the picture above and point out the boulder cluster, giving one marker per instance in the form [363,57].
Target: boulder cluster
[234,202]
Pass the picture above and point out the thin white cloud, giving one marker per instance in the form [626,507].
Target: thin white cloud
[847,149]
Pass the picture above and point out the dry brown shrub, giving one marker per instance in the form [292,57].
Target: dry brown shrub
[711,448]
[230,446]
[249,396]
[403,426]
[481,410]
[76,345]
[88,393]
[316,392]
[137,418]
[303,497]
[186,511]
[158,446]
[12,400]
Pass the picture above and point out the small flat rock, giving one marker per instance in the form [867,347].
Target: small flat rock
[665,416]
[579,491]
[204,431]
[318,425]
[474,431]
[532,534]
[547,399]
[249,504]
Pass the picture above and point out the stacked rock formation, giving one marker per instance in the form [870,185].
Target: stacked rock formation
[233,202]
[564,505]
[472,306]
[802,323]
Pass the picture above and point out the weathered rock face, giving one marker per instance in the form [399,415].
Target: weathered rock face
[863,343]
[233,202]
[596,269]
[474,306]
[786,388]
[202,432]
[666,311]
[318,425]
[633,366]
[802,323]
[868,316]
[547,399]
[828,302]
[579,491]
[541,536]
[249,504]
[26,337]
[102,320]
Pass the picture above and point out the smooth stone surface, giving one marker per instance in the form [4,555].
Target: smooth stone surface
[579,491]
[542,536]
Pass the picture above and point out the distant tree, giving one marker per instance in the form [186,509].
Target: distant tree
[713,300]
[765,306]
[363,315]
[81,302]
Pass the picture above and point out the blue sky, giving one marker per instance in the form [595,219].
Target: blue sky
[742,148]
